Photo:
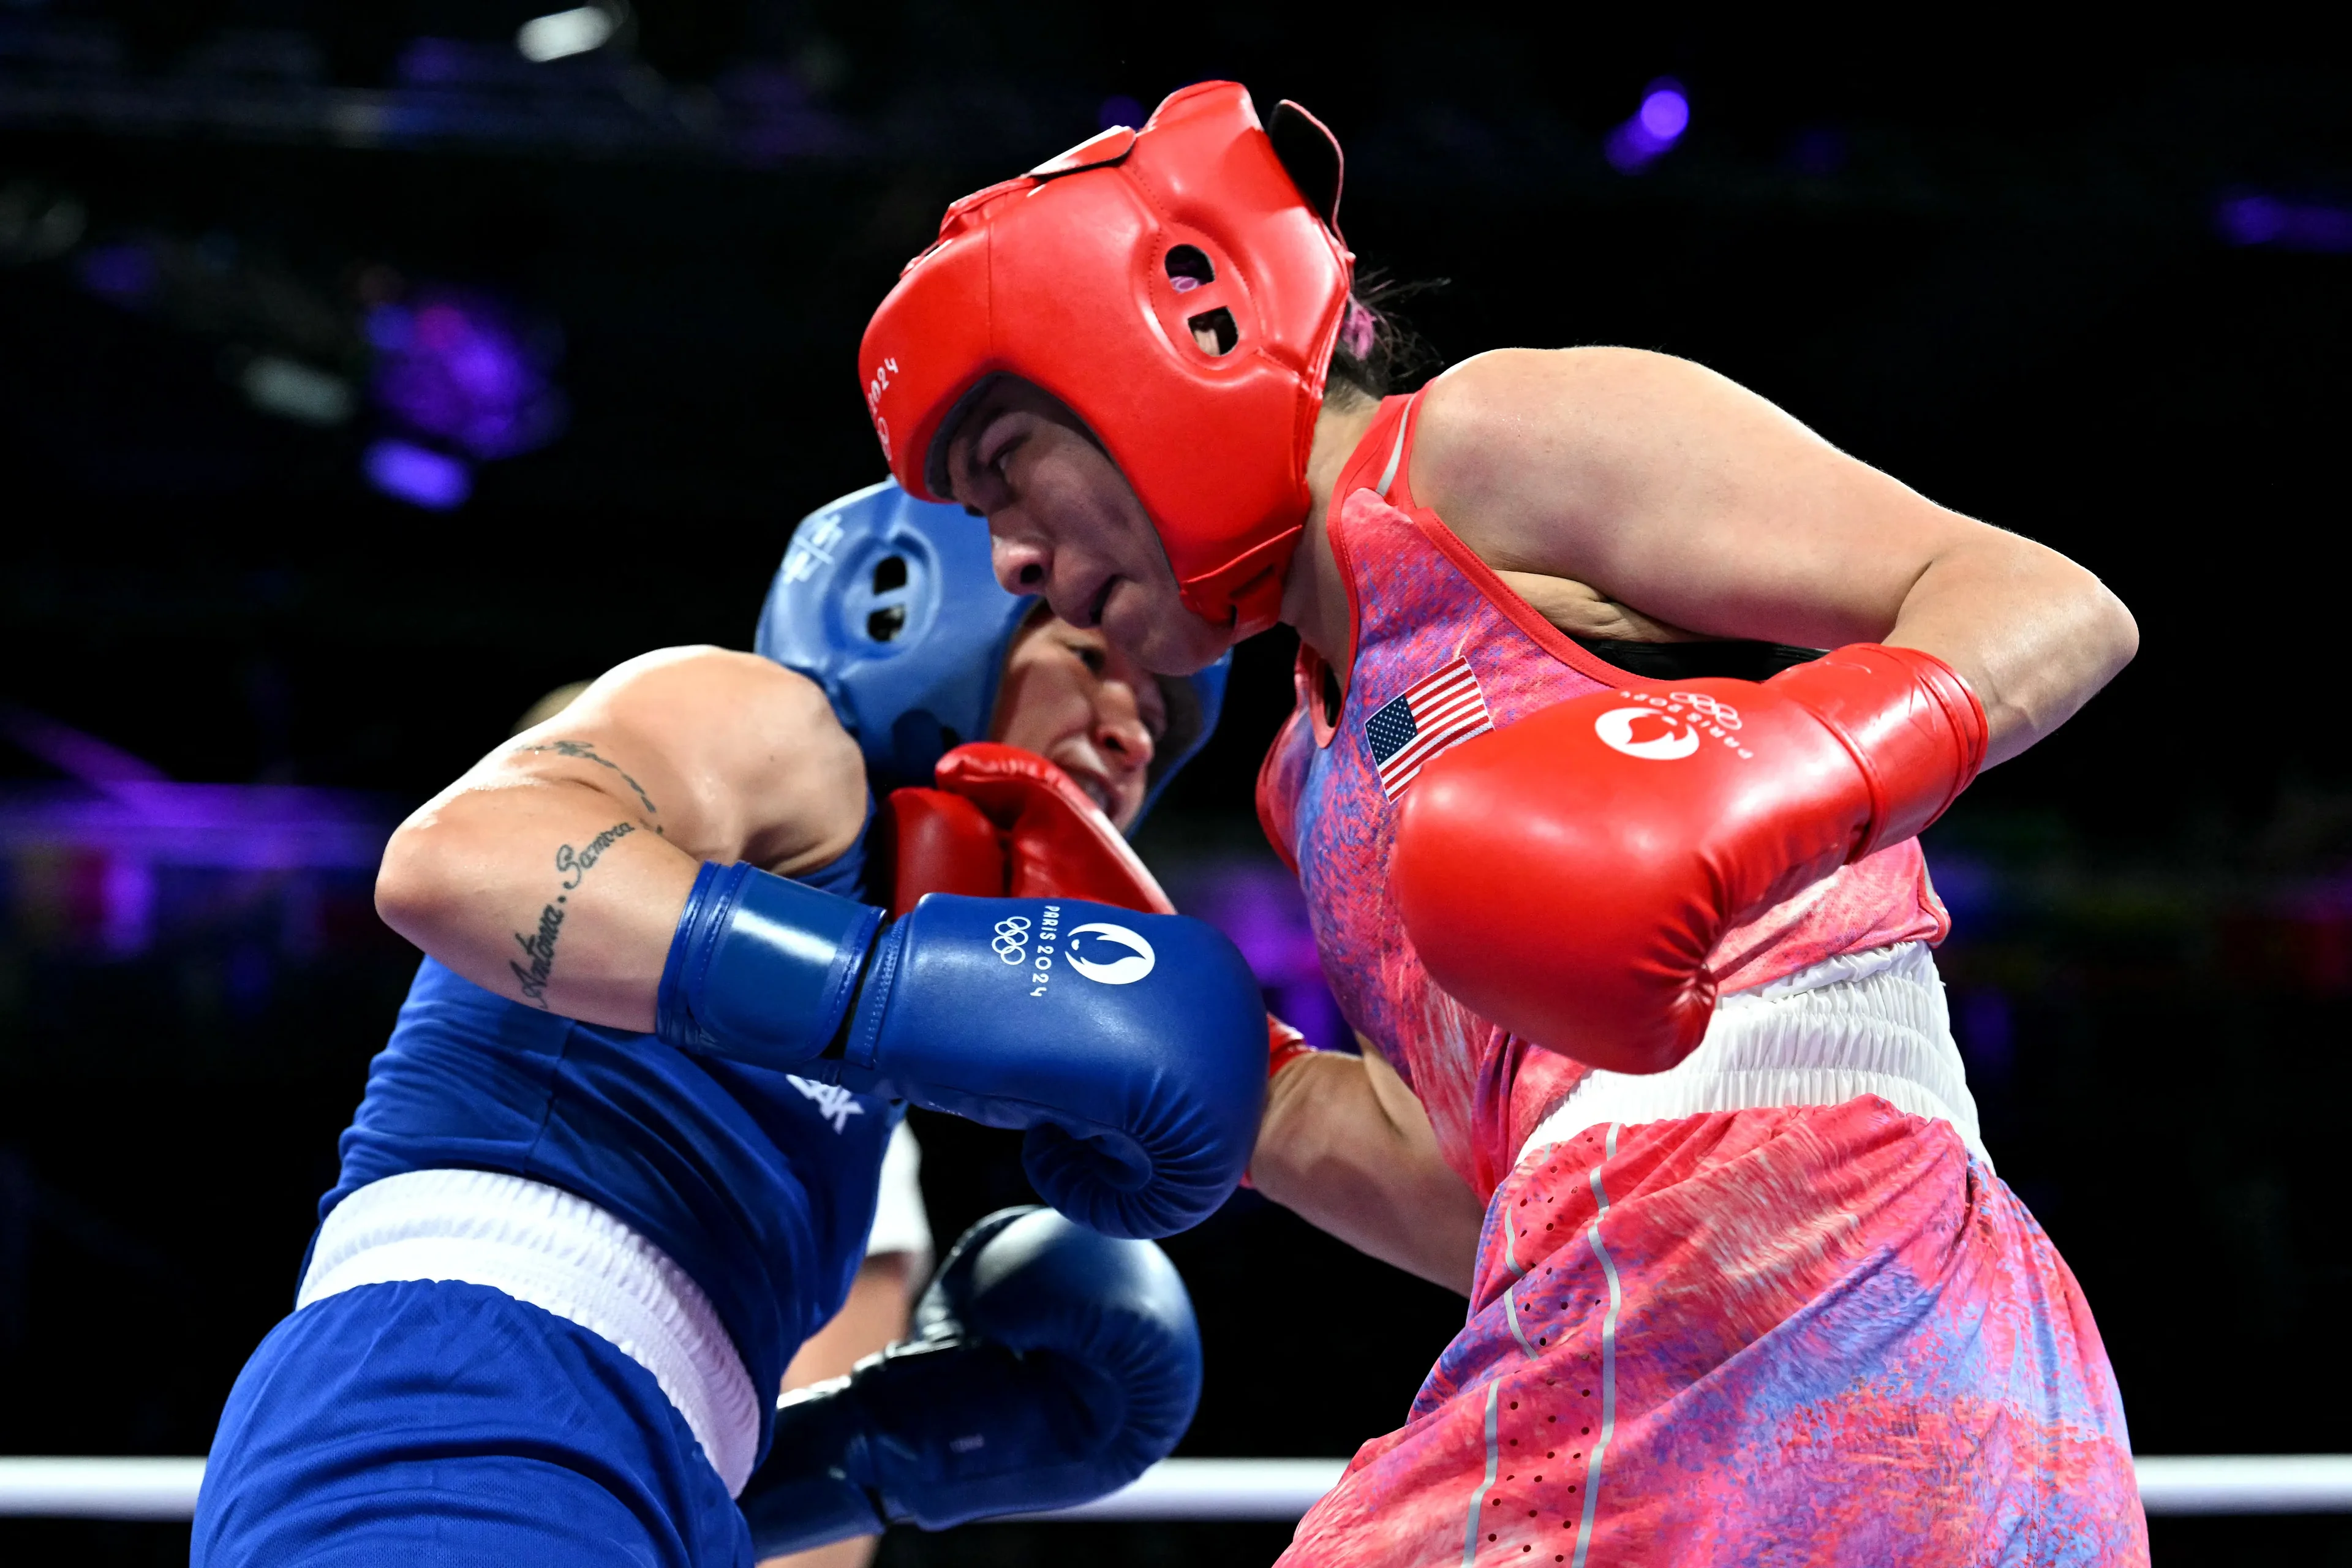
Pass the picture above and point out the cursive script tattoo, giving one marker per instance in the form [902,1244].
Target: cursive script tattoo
[586,751]
[540,948]
[579,862]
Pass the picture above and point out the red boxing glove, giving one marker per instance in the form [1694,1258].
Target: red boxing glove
[1006,823]
[939,843]
[1284,1045]
[1057,842]
[1567,878]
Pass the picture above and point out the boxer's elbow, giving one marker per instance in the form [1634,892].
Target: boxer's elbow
[2081,641]
[2115,629]
[417,886]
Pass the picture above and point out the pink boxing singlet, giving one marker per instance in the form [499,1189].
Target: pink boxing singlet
[1422,603]
[1771,1303]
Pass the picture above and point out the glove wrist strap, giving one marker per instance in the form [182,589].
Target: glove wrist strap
[762,969]
[1914,728]
[815,1486]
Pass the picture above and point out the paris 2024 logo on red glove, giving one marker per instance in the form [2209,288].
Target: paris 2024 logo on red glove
[1663,728]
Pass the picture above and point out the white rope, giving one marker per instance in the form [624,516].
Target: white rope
[2246,1483]
[1217,1489]
[100,1489]
[1213,1488]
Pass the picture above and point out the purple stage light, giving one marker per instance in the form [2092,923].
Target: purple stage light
[418,475]
[1655,127]
[1121,109]
[1666,112]
[2287,226]
[220,827]
[124,860]
[458,369]
[1258,906]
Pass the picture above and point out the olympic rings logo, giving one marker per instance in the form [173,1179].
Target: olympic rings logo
[1011,942]
[1722,714]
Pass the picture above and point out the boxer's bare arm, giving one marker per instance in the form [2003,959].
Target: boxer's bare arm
[554,869]
[1346,1146]
[1668,488]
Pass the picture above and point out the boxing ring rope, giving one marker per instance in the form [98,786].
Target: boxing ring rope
[1210,1488]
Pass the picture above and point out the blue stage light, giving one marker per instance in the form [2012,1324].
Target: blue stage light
[418,475]
[2284,225]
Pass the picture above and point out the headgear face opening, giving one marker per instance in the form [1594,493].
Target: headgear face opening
[890,606]
[1180,288]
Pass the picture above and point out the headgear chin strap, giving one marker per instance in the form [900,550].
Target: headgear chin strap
[890,606]
[1180,287]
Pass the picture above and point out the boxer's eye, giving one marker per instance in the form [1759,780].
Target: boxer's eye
[886,623]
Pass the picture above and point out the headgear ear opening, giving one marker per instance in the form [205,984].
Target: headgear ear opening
[888,603]
[890,606]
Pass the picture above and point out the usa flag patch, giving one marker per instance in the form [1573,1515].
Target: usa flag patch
[1436,711]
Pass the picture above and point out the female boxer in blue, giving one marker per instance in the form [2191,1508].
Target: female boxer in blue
[620,1156]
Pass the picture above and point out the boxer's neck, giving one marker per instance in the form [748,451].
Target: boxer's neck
[1315,594]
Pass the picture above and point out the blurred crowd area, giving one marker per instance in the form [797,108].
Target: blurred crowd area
[364,374]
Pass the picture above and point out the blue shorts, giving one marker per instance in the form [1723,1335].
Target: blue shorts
[430,1424]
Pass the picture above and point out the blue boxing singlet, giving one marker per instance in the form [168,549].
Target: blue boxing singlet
[760,1185]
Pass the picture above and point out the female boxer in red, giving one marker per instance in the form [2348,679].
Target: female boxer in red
[1618,871]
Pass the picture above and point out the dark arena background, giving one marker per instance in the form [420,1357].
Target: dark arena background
[362,378]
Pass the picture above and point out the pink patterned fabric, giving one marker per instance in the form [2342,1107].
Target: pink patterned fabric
[1820,1335]
[1812,1336]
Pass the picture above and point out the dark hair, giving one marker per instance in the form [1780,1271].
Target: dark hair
[1378,352]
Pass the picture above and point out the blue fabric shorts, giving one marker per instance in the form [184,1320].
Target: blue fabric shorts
[430,1424]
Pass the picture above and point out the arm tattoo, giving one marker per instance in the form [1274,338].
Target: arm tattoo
[538,946]
[580,862]
[586,751]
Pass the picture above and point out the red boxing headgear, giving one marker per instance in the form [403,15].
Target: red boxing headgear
[1089,275]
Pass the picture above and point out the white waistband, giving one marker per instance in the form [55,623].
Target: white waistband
[1860,1023]
[563,1255]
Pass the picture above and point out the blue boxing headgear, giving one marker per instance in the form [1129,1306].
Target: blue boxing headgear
[890,603]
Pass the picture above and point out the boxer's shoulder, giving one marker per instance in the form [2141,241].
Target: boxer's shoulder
[1600,475]
[716,691]
[1518,434]
[771,774]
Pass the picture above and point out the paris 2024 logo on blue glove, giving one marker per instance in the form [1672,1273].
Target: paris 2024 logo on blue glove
[1013,944]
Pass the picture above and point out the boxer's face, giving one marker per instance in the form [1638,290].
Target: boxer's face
[1072,698]
[1065,523]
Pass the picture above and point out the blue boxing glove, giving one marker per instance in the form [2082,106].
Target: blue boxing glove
[1129,1047]
[1048,1366]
